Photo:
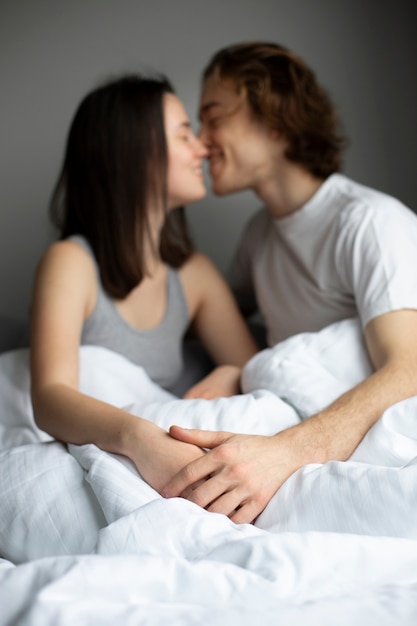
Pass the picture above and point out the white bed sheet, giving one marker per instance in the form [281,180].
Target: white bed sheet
[86,541]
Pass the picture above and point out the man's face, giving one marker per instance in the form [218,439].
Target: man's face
[239,145]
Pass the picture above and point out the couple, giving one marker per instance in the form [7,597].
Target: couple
[125,276]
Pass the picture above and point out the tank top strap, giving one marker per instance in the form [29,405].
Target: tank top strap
[159,349]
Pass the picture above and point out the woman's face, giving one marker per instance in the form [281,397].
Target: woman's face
[185,156]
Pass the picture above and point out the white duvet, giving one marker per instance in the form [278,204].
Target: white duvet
[86,541]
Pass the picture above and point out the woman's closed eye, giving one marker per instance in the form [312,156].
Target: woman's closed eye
[187,137]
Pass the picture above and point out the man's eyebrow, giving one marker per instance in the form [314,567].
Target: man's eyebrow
[209,105]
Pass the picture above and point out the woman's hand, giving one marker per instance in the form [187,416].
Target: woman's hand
[222,382]
[159,457]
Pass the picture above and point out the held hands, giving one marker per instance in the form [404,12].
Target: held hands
[222,382]
[238,476]
[162,458]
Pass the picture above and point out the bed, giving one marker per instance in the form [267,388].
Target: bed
[84,540]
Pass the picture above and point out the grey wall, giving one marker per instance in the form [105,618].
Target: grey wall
[53,52]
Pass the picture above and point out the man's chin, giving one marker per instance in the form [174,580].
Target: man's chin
[220,190]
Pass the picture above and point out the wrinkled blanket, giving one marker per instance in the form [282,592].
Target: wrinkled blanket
[85,540]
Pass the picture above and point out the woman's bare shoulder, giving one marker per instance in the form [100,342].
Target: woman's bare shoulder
[65,256]
[199,264]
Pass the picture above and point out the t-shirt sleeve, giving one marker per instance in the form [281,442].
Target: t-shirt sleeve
[377,257]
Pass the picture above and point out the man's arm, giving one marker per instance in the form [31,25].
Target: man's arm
[243,472]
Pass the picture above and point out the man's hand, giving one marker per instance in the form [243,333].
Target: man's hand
[222,382]
[238,476]
[241,473]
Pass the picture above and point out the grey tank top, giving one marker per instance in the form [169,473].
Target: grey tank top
[159,349]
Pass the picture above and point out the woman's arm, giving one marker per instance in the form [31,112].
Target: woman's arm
[63,297]
[220,326]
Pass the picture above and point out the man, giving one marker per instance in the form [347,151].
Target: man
[323,249]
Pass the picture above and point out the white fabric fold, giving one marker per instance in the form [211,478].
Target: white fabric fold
[85,540]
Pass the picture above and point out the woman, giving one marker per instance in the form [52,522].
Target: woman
[124,274]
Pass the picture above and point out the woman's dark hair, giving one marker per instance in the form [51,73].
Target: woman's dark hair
[284,94]
[114,170]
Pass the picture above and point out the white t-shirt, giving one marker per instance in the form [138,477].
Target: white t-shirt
[350,251]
